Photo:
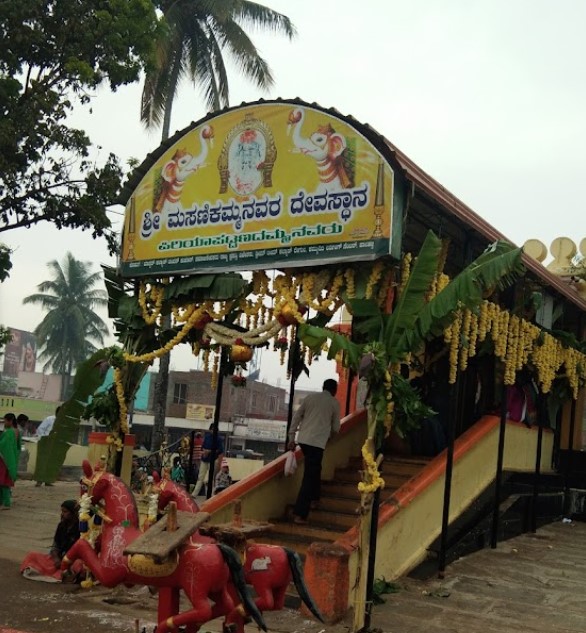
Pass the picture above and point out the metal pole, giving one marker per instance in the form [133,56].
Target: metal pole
[215,430]
[536,476]
[454,397]
[499,468]
[569,467]
[371,560]
[293,361]
[351,376]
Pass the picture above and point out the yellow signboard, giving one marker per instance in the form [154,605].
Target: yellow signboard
[261,186]
[200,412]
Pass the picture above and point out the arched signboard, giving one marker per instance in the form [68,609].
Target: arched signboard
[267,185]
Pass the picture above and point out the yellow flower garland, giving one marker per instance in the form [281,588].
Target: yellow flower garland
[517,343]
[372,478]
[195,316]
[121,400]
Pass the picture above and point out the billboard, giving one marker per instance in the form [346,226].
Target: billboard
[20,354]
[261,186]
[200,412]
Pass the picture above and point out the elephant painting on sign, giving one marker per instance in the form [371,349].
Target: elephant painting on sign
[327,148]
[176,171]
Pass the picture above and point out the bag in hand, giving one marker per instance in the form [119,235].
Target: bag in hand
[290,464]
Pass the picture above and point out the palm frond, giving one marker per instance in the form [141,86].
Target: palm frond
[260,17]
[244,53]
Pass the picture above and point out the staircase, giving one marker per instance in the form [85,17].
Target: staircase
[339,503]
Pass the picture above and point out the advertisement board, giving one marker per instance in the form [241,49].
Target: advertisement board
[20,354]
[261,186]
[200,412]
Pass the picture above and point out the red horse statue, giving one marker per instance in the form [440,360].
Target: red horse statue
[268,568]
[204,571]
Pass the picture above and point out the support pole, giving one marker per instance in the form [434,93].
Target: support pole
[351,376]
[569,466]
[371,560]
[454,398]
[498,480]
[215,430]
[293,362]
[537,473]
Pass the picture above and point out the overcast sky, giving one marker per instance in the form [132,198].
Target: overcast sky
[487,96]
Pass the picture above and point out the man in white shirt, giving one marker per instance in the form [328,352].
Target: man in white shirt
[46,425]
[44,428]
[317,419]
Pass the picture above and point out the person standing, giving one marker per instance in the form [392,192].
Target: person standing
[317,419]
[44,428]
[196,452]
[207,449]
[10,446]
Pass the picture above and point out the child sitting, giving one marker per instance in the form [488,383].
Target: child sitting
[223,479]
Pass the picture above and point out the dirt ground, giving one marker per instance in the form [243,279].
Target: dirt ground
[529,584]
[37,607]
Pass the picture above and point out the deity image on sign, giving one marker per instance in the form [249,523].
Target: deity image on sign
[247,158]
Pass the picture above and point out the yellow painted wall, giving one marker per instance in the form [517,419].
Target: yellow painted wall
[270,499]
[75,455]
[577,443]
[403,541]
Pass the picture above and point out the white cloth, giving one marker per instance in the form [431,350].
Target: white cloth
[45,426]
[202,478]
[318,418]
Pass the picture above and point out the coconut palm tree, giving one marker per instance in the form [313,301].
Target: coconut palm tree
[195,37]
[197,34]
[67,333]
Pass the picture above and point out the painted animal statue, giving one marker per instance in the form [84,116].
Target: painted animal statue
[168,491]
[176,171]
[205,572]
[268,568]
[326,147]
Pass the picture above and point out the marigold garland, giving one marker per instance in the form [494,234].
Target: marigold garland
[156,296]
[121,400]
[372,479]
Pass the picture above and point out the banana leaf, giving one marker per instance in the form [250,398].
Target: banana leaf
[52,449]
[412,299]
[199,288]
[499,266]
[314,337]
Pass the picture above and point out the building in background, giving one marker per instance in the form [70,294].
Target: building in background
[253,418]
[19,356]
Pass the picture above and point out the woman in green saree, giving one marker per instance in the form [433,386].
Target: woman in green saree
[10,445]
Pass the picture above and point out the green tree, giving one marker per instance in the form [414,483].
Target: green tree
[53,54]
[197,35]
[5,266]
[67,334]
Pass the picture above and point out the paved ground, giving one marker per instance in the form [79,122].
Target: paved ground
[531,584]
